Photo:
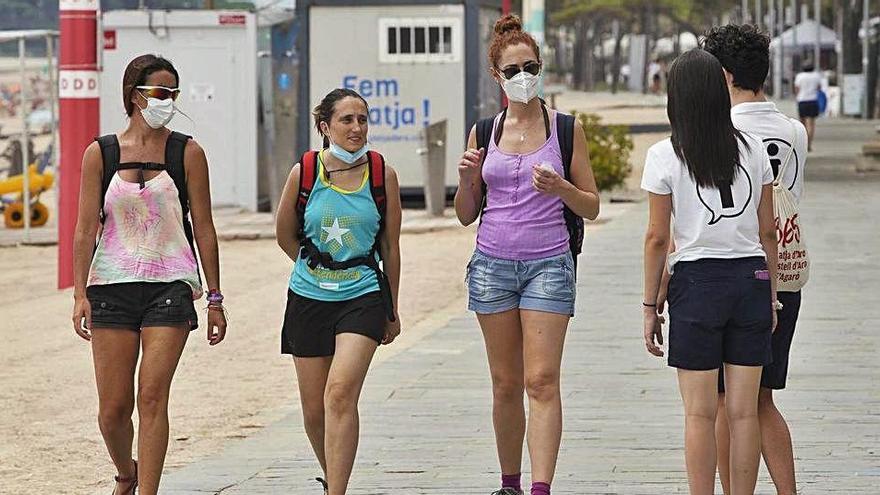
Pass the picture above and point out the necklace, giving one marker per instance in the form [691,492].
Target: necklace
[522,135]
[346,169]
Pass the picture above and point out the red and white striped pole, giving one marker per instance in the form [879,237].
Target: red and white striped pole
[78,120]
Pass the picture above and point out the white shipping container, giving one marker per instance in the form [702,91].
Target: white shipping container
[215,54]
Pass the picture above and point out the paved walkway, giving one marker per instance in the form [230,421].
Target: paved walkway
[426,425]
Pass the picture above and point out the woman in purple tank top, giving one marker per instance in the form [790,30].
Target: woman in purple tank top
[521,280]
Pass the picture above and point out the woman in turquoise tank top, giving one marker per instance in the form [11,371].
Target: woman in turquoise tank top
[335,223]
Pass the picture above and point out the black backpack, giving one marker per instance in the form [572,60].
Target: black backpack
[565,134]
[174,151]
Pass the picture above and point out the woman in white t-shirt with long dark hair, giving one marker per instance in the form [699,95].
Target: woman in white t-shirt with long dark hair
[717,183]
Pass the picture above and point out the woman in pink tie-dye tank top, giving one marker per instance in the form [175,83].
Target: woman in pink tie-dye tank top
[521,279]
[135,290]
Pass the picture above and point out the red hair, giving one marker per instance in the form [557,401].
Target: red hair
[509,31]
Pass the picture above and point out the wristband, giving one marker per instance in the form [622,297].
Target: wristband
[214,296]
[649,305]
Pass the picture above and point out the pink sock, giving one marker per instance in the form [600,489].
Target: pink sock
[540,488]
[512,481]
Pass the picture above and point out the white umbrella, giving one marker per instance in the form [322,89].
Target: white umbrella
[805,33]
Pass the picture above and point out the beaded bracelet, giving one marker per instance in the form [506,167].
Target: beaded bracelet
[214,296]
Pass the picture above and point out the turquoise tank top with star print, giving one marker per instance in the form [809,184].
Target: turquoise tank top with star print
[344,224]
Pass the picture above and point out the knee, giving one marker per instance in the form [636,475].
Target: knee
[507,389]
[702,411]
[152,401]
[543,386]
[115,416]
[313,414]
[741,412]
[340,397]
[765,402]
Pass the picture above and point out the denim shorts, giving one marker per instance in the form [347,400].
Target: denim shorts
[496,285]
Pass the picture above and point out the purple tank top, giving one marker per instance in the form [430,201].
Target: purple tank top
[520,223]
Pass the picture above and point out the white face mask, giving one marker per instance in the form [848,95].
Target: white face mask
[521,88]
[158,112]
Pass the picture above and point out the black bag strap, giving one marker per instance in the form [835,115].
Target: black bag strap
[175,149]
[565,136]
[574,223]
[110,158]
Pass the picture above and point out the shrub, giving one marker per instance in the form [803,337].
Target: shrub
[609,147]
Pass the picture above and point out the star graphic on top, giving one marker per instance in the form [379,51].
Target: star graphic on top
[334,232]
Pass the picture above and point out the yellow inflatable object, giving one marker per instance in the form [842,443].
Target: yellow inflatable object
[38,182]
[39,214]
[13,215]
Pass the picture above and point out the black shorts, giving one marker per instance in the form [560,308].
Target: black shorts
[137,305]
[774,374]
[808,109]
[719,313]
[310,326]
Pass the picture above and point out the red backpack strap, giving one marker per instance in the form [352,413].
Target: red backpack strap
[377,184]
[308,173]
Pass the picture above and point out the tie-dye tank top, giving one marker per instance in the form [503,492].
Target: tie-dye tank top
[143,238]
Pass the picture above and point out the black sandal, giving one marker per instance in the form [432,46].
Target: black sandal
[323,483]
[133,480]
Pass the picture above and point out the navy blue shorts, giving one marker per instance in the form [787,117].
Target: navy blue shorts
[719,313]
[808,109]
[775,374]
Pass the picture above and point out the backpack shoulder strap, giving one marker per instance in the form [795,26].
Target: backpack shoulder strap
[565,135]
[484,132]
[484,137]
[308,174]
[574,223]
[110,158]
[175,148]
[377,185]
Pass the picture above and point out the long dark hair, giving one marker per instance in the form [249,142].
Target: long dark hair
[323,111]
[137,72]
[703,135]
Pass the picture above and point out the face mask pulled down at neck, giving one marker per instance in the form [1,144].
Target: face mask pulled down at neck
[346,156]
[521,88]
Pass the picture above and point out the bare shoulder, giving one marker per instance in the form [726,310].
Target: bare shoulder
[193,149]
[92,158]
[390,175]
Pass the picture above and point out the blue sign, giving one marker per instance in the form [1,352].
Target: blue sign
[284,81]
[388,114]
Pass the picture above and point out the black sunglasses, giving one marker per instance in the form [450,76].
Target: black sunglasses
[531,67]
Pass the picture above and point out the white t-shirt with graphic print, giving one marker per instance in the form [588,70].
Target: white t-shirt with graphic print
[709,222]
[778,132]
